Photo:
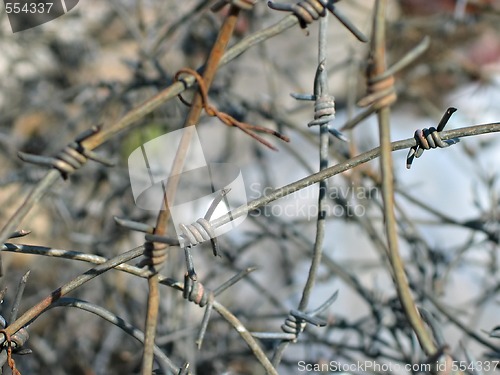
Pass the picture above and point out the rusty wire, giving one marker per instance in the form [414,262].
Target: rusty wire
[226,118]
[194,291]
[381,92]
[14,343]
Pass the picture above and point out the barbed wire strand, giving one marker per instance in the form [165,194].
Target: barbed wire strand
[118,321]
[8,342]
[223,37]
[375,69]
[381,89]
[393,149]
[224,117]
[78,281]
[430,138]
[323,117]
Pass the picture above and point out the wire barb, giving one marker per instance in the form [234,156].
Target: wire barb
[381,93]
[381,90]
[430,138]
[199,232]
[308,11]
[196,292]
[296,320]
[71,158]
[324,105]
[154,257]
[14,344]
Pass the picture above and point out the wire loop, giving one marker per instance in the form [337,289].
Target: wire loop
[224,117]
[293,325]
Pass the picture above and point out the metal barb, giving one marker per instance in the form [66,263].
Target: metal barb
[308,11]
[70,158]
[19,233]
[324,106]
[429,138]
[195,291]
[134,225]
[296,322]
[162,239]
[184,370]
[233,280]
[196,233]
[381,91]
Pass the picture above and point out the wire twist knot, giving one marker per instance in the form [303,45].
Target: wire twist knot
[296,320]
[324,110]
[70,158]
[155,255]
[196,292]
[307,11]
[381,93]
[14,344]
[198,232]
[293,324]
[428,138]
[227,119]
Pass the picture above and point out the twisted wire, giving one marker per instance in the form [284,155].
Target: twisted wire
[14,343]
[428,138]
[194,291]
[324,110]
[70,158]
[19,339]
[242,4]
[296,320]
[224,117]
[199,231]
[191,235]
[293,325]
[307,11]
[381,93]
[154,256]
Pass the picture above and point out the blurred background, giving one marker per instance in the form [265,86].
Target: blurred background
[94,64]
